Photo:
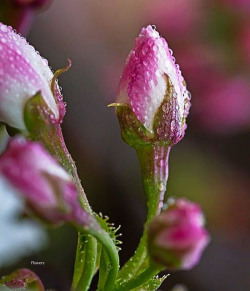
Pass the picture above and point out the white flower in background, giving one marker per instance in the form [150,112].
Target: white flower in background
[18,238]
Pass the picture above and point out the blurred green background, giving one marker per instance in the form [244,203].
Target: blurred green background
[211,43]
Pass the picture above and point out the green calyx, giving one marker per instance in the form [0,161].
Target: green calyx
[37,116]
[168,124]
[133,132]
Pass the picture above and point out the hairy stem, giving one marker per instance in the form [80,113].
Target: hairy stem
[112,253]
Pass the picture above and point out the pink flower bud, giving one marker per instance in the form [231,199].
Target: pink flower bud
[23,72]
[152,85]
[177,236]
[41,181]
[22,279]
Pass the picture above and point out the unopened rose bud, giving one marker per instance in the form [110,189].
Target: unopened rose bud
[152,102]
[45,186]
[22,279]
[23,72]
[177,237]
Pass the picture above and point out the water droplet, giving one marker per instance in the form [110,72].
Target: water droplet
[162,186]
[161,163]
[144,50]
[172,125]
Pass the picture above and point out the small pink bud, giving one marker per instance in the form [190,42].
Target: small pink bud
[22,279]
[177,237]
[23,72]
[153,87]
[41,181]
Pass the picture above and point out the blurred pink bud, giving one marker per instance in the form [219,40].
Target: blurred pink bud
[23,72]
[152,85]
[202,65]
[165,14]
[22,279]
[177,236]
[225,106]
[243,5]
[244,41]
[32,3]
[41,181]
[20,13]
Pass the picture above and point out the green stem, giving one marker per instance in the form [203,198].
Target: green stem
[89,260]
[80,258]
[111,250]
[114,260]
[103,270]
[154,164]
[40,127]
[139,280]
[86,253]
[54,142]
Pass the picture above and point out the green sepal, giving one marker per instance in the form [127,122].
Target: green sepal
[168,124]
[165,258]
[152,285]
[105,263]
[110,229]
[133,131]
[164,115]
[37,116]
[4,137]
[12,131]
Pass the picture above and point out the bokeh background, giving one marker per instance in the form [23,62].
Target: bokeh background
[211,43]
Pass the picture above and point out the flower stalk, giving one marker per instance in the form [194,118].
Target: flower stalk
[154,164]
[151,105]
[110,264]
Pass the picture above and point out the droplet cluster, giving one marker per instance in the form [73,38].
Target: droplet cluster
[170,124]
[23,72]
[141,77]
